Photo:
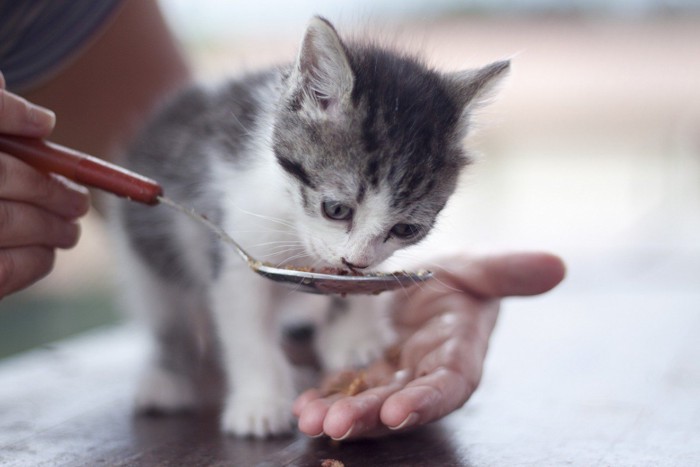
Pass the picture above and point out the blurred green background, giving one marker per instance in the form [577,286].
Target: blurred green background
[29,321]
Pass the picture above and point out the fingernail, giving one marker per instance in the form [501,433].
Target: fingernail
[411,420]
[68,235]
[80,207]
[347,433]
[41,117]
[317,436]
[79,204]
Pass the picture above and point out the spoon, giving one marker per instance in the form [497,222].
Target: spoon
[93,172]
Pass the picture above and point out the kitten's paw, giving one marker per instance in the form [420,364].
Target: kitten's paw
[162,391]
[345,353]
[258,415]
[350,345]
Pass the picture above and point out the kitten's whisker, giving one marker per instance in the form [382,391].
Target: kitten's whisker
[295,251]
[403,287]
[435,283]
[277,233]
[290,241]
[288,260]
[284,222]
[277,249]
[246,131]
[278,253]
[298,286]
[280,242]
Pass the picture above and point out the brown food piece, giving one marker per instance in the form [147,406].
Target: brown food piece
[324,270]
[348,383]
[352,382]
[331,463]
[339,272]
[392,355]
[357,385]
[343,272]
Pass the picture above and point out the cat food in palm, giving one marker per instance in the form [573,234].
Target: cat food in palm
[348,383]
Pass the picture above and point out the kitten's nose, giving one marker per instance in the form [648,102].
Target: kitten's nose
[354,266]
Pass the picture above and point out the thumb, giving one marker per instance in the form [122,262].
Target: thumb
[505,275]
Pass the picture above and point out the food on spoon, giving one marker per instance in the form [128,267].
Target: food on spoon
[325,270]
[392,356]
[341,271]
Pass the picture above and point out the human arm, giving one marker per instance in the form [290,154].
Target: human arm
[102,95]
[444,332]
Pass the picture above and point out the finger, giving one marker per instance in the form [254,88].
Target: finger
[313,414]
[22,224]
[445,378]
[21,267]
[303,399]
[20,182]
[479,281]
[508,274]
[20,117]
[358,416]
[2,81]
[426,399]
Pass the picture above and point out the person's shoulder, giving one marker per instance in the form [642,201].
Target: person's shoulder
[31,53]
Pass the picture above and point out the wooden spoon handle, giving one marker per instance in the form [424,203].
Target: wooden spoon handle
[82,168]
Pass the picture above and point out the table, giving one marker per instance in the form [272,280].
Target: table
[589,375]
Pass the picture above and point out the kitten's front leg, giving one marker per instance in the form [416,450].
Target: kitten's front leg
[260,382]
[357,332]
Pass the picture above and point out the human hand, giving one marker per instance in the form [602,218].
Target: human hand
[38,212]
[444,329]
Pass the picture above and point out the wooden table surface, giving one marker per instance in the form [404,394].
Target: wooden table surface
[590,375]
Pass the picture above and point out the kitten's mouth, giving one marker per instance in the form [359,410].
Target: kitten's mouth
[342,267]
[354,268]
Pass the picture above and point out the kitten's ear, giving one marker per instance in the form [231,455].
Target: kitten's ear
[473,88]
[322,72]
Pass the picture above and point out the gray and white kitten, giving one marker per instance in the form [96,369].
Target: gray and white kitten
[339,159]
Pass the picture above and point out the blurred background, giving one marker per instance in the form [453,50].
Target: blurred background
[592,149]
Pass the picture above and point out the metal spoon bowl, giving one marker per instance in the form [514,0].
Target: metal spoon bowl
[323,283]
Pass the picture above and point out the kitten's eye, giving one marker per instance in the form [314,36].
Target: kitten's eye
[336,211]
[405,231]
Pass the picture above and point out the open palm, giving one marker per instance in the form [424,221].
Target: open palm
[444,332]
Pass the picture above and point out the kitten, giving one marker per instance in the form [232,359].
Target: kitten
[339,160]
